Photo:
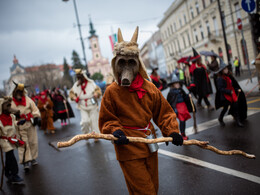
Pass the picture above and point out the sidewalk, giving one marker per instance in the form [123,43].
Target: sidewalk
[250,88]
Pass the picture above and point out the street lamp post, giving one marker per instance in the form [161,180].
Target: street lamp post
[80,34]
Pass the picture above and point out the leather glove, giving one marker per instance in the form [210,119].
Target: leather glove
[176,139]
[35,121]
[21,122]
[121,138]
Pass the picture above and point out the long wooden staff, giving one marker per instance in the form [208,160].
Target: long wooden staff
[3,168]
[67,111]
[194,117]
[202,144]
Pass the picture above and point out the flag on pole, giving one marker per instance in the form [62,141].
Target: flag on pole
[113,40]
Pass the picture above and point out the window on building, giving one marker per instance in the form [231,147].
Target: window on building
[173,48]
[168,31]
[179,47]
[197,8]
[97,55]
[171,29]
[203,4]
[220,52]
[195,35]
[95,45]
[215,26]
[188,35]
[208,27]
[175,27]
[237,10]
[201,32]
[185,19]
[180,22]
[184,43]
[211,1]
[223,19]
[191,12]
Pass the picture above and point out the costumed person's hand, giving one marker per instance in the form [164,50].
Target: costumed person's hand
[239,90]
[189,95]
[121,138]
[35,121]
[176,139]
[77,99]
[21,122]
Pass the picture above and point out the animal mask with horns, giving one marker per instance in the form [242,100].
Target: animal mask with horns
[127,63]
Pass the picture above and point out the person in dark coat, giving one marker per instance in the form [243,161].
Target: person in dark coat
[202,82]
[180,103]
[62,107]
[229,93]
[161,84]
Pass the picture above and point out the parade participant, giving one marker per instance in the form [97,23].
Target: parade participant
[202,82]
[214,66]
[45,106]
[85,93]
[157,81]
[62,107]
[229,93]
[28,133]
[180,102]
[127,107]
[9,140]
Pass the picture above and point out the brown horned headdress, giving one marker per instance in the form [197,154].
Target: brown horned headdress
[128,48]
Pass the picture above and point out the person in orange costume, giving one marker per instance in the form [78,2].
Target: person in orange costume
[127,107]
[45,106]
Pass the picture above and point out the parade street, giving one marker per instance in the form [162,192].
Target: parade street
[91,168]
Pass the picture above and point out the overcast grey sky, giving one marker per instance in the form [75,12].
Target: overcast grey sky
[44,31]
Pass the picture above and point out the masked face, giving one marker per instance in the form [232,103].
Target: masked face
[127,68]
[18,94]
[6,107]
[80,78]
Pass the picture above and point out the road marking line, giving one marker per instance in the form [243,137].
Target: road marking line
[253,108]
[213,123]
[215,167]
[253,101]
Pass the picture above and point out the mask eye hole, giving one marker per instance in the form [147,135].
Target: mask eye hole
[132,62]
[121,62]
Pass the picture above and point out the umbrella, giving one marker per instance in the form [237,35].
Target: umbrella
[208,53]
[184,59]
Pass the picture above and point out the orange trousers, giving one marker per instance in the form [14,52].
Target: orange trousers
[141,175]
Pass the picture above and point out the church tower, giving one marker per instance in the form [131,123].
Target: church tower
[98,63]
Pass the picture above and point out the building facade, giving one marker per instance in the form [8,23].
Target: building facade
[98,63]
[197,23]
[152,54]
[34,76]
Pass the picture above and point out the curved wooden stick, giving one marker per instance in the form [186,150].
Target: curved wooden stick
[202,144]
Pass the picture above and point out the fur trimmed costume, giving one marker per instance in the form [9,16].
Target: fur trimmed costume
[83,94]
[27,131]
[130,109]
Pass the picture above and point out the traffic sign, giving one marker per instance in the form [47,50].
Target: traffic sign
[248,5]
[239,24]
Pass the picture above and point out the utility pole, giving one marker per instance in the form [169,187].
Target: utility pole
[224,32]
[80,35]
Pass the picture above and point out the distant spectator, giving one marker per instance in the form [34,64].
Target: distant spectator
[237,66]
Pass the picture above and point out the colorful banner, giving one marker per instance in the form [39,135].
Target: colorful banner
[113,40]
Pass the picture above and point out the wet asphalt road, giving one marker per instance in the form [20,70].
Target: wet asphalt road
[92,168]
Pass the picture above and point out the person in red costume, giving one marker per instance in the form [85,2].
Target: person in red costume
[202,81]
[229,93]
[45,106]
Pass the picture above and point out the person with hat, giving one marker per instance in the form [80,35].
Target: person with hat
[257,65]
[180,102]
[28,133]
[229,94]
[202,81]
[85,93]
[127,107]
[45,106]
[9,140]
[156,79]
